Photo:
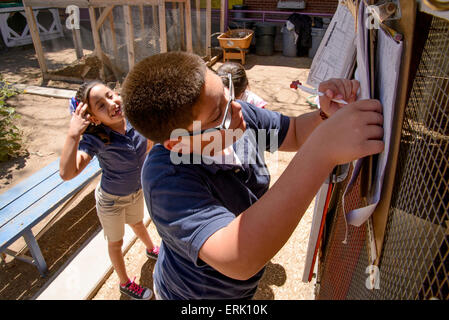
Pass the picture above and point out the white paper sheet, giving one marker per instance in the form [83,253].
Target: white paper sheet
[388,62]
[362,72]
[336,54]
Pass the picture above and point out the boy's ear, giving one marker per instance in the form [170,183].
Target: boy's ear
[170,144]
[176,145]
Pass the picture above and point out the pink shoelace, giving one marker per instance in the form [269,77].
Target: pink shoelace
[134,287]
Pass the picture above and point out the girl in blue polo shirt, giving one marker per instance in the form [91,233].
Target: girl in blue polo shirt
[98,128]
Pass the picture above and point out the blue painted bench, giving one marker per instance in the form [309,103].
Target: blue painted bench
[26,204]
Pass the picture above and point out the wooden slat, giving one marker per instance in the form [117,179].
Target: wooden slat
[129,32]
[188,19]
[103,3]
[162,26]
[56,77]
[222,15]
[179,15]
[11,231]
[208,27]
[198,22]
[56,3]
[28,184]
[114,38]
[155,17]
[406,26]
[96,36]
[31,20]
[27,199]
[142,22]
[106,12]
[77,43]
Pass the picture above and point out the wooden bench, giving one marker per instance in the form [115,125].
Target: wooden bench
[26,204]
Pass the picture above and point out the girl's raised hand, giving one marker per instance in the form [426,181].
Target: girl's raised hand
[80,120]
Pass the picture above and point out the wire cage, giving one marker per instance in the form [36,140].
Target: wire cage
[115,35]
[415,255]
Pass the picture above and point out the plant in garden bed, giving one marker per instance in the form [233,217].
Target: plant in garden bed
[10,135]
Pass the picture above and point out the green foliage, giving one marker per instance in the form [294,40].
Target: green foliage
[10,136]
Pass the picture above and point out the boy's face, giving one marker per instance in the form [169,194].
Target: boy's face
[105,105]
[208,113]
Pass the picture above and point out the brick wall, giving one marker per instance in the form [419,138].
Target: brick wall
[316,6]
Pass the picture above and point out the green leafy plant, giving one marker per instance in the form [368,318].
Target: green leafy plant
[10,135]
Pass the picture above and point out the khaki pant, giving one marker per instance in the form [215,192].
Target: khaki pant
[114,211]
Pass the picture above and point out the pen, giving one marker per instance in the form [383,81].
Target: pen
[296,84]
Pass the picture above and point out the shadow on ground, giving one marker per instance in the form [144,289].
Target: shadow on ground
[22,281]
[274,275]
[278,60]
[146,277]
[7,167]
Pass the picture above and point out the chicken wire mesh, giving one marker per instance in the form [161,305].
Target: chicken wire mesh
[415,255]
[146,40]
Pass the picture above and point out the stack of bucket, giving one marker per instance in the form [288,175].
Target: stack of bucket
[265,34]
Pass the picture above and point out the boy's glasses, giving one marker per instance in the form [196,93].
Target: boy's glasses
[227,117]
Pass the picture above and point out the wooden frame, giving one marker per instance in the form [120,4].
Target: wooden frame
[106,11]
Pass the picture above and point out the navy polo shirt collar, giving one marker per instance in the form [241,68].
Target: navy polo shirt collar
[108,130]
[212,167]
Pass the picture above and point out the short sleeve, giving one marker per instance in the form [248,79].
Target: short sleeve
[89,145]
[185,224]
[254,99]
[274,124]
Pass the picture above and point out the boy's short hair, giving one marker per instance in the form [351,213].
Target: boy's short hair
[158,94]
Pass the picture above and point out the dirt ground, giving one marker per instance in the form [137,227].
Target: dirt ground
[44,122]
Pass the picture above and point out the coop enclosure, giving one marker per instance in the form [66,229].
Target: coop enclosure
[124,32]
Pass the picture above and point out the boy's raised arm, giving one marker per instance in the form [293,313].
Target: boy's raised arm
[302,126]
[242,248]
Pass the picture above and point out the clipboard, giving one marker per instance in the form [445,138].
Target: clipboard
[405,26]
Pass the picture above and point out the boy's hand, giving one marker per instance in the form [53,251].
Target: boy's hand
[337,89]
[80,120]
[354,132]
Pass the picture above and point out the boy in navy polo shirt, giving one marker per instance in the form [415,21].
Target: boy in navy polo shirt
[206,181]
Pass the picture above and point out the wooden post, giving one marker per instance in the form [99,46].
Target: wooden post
[114,39]
[129,31]
[96,37]
[104,14]
[77,42]
[162,26]
[178,15]
[155,18]
[198,22]
[142,22]
[208,27]
[102,29]
[222,15]
[31,20]
[188,19]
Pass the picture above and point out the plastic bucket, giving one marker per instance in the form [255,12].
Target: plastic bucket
[289,48]
[265,34]
[317,36]
[239,15]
